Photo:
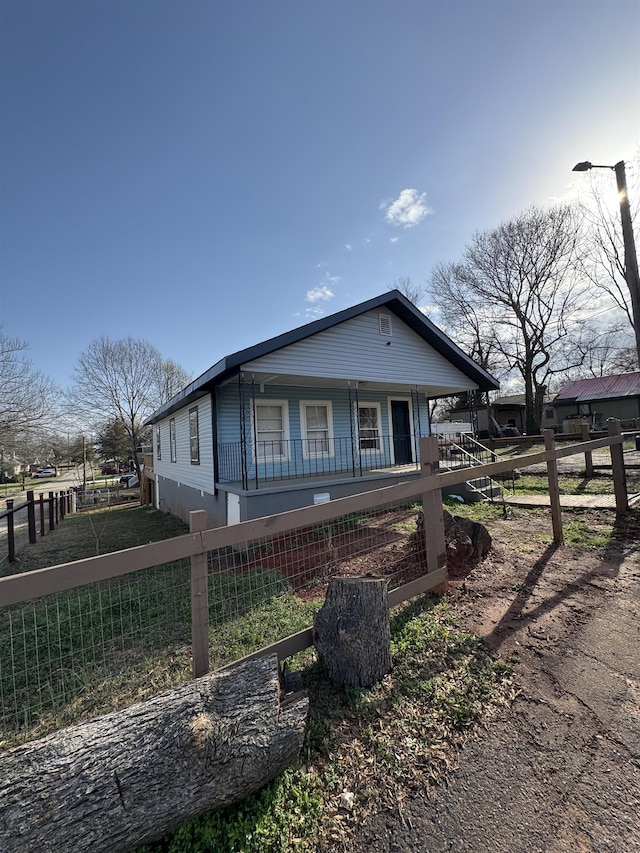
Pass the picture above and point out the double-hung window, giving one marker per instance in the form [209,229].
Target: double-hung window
[272,430]
[173,452]
[369,426]
[194,436]
[316,422]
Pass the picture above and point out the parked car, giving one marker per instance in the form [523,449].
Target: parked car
[129,480]
[46,473]
[111,468]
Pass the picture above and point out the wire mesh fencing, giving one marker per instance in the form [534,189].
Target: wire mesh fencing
[262,591]
[73,655]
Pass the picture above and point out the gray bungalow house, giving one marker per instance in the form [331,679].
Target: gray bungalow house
[330,409]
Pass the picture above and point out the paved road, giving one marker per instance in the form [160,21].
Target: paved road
[56,484]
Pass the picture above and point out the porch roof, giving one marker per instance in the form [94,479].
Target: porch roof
[393,300]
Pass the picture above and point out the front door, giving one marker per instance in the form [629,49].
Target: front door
[401,430]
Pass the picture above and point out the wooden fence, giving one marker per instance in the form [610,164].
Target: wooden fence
[200,541]
[41,513]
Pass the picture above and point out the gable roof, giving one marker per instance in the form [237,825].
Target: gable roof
[392,300]
[600,388]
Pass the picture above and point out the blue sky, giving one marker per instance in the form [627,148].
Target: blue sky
[206,175]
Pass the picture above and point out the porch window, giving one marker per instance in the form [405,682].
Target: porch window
[172,440]
[272,430]
[369,426]
[316,423]
[194,436]
[158,445]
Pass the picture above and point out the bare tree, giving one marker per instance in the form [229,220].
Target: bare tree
[519,299]
[27,397]
[415,293]
[127,380]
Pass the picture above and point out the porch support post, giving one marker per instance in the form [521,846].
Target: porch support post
[417,432]
[473,411]
[357,425]
[353,451]
[243,433]
[254,425]
[214,438]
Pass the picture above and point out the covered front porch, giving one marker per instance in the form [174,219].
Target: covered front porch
[289,428]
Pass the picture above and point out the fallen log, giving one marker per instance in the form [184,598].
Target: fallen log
[130,776]
[351,631]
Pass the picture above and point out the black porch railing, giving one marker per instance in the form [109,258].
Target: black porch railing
[467,452]
[297,458]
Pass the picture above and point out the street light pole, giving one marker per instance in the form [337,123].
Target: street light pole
[630,257]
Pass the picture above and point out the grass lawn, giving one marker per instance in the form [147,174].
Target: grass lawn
[442,683]
[70,656]
[367,743]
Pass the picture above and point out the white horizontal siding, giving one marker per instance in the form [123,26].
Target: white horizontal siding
[182,471]
[355,349]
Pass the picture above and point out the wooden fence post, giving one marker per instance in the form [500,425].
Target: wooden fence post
[52,510]
[435,542]
[11,536]
[41,513]
[31,517]
[199,600]
[554,489]
[588,456]
[617,465]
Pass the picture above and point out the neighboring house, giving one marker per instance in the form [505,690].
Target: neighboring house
[508,411]
[595,400]
[330,409]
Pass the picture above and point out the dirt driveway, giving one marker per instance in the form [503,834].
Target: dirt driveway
[560,771]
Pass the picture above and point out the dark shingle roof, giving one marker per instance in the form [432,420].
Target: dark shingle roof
[392,299]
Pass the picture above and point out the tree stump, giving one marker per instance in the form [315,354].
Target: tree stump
[351,631]
[130,776]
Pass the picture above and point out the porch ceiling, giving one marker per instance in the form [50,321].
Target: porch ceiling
[295,381]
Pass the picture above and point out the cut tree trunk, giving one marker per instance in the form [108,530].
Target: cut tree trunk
[351,631]
[130,776]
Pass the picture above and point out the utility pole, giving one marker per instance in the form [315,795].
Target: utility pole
[630,256]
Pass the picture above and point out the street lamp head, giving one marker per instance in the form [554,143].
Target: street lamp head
[582,167]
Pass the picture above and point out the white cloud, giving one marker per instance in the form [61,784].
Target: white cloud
[319,294]
[314,313]
[394,239]
[347,246]
[408,209]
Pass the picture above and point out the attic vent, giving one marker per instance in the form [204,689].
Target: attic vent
[385,324]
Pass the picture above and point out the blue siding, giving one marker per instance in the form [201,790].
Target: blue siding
[355,348]
[345,456]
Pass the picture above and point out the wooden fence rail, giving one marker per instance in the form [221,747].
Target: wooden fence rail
[195,545]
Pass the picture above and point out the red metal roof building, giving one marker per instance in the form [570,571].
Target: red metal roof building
[601,397]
